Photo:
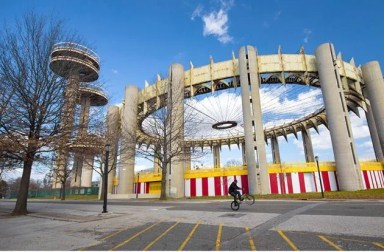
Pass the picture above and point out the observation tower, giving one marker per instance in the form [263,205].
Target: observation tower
[76,64]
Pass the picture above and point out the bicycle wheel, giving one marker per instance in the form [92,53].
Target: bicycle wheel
[235,206]
[249,199]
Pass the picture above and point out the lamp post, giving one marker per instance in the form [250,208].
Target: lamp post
[318,171]
[105,184]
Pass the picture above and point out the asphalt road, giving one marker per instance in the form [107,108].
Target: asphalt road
[194,225]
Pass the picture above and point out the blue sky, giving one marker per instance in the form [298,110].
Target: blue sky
[136,40]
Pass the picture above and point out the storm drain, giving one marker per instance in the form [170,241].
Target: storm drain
[232,215]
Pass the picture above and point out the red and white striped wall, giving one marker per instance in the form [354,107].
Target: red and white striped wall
[373,179]
[141,187]
[302,182]
[213,186]
[280,183]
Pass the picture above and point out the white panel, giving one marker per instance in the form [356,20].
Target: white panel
[278,183]
[309,183]
[199,187]
[316,182]
[187,187]
[142,188]
[211,186]
[295,182]
[332,181]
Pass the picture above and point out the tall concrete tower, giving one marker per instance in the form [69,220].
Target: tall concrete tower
[77,64]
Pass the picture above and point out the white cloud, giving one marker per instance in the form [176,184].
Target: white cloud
[277,15]
[215,22]
[307,34]
[115,71]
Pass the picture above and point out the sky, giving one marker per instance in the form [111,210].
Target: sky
[136,40]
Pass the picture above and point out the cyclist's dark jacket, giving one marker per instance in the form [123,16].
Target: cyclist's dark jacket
[233,188]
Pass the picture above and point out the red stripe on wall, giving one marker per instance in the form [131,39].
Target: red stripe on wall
[282,183]
[302,182]
[217,186]
[225,185]
[289,182]
[204,184]
[273,182]
[326,183]
[193,187]
[138,187]
[314,182]
[366,180]
[244,183]
[146,187]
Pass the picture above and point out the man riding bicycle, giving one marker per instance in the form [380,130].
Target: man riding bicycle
[233,190]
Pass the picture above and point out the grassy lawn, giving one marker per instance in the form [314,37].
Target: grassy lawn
[363,194]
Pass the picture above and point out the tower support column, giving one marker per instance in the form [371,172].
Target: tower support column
[253,123]
[216,156]
[307,144]
[347,165]
[175,175]
[128,137]
[275,150]
[374,89]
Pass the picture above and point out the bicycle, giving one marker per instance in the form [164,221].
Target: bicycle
[248,199]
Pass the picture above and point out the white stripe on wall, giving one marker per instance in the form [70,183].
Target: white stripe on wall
[199,187]
[211,186]
[187,183]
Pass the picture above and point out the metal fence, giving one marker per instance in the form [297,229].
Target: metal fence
[51,193]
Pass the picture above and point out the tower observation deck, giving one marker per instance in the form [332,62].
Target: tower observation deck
[75,63]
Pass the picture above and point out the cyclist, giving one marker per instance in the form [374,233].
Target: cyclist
[233,190]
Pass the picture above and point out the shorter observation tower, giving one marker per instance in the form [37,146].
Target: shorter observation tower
[75,63]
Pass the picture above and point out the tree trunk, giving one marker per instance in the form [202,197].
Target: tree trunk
[163,195]
[63,190]
[22,197]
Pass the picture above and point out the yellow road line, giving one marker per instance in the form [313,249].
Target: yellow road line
[381,245]
[189,236]
[330,243]
[218,239]
[293,246]
[158,238]
[103,239]
[251,243]
[133,237]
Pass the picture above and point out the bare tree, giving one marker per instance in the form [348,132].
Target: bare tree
[33,94]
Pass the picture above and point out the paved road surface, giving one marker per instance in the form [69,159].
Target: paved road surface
[194,225]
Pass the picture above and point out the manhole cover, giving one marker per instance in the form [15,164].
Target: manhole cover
[232,215]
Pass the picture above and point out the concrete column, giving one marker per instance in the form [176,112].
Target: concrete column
[347,165]
[85,105]
[216,156]
[253,123]
[307,144]
[275,150]
[76,171]
[243,156]
[374,135]
[156,165]
[87,171]
[374,86]
[175,176]
[113,134]
[128,140]
[187,152]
